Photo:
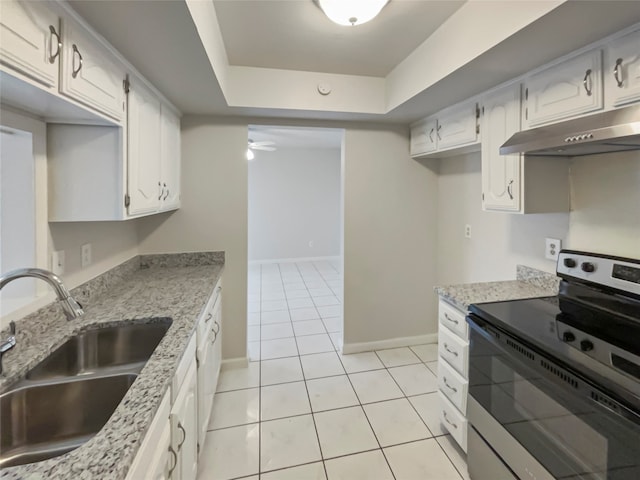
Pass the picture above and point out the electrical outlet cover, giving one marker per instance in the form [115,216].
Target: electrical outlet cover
[86,255]
[552,248]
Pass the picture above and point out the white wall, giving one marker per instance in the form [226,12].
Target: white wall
[389,225]
[604,217]
[390,237]
[213,214]
[294,199]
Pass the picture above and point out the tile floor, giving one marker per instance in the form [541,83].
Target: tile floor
[303,411]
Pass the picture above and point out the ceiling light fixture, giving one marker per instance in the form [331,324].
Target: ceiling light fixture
[351,12]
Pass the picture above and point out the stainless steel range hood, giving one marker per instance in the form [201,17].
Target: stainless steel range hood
[613,131]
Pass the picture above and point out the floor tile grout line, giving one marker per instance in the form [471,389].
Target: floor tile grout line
[313,418]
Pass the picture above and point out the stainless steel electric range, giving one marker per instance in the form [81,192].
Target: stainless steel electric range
[554,382]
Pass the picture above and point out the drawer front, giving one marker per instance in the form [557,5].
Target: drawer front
[453,385]
[453,421]
[453,319]
[454,350]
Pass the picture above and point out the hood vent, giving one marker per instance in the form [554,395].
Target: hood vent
[613,131]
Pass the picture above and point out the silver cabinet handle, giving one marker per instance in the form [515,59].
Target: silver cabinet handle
[446,419]
[216,324]
[452,320]
[431,135]
[74,70]
[167,194]
[587,77]
[52,56]
[184,435]
[219,289]
[616,72]
[509,189]
[444,379]
[209,317]
[175,460]
[161,191]
[438,132]
[453,352]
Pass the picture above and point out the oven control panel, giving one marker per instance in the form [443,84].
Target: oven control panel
[614,272]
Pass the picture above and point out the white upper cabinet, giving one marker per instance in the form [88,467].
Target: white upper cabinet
[458,127]
[501,180]
[90,74]
[423,137]
[30,40]
[568,89]
[170,159]
[622,71]
[450,132]
[145,187]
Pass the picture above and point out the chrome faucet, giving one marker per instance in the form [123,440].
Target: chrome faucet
[71,308]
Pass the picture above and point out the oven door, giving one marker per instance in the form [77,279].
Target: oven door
[542,420]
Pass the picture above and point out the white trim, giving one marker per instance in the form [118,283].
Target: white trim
[391,343]
[293,260]
[237,362]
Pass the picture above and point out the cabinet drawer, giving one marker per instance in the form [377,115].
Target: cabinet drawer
[453,421]
[206,317]
[453,385]
[453,319]
[454,350]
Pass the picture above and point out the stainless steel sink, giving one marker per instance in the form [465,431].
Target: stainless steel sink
[69,396]
[125,347]
[44,421]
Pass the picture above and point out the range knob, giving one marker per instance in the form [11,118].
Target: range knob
[588,267]
[586,345]
[569,262]
[568,336]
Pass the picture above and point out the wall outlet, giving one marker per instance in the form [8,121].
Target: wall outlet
[552,249]
[57,262]
[467,231]
[86,255]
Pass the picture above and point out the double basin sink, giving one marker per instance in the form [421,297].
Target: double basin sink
[68,397]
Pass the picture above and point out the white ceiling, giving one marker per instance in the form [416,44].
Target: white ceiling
[164,41]
[297,137]
[296,35]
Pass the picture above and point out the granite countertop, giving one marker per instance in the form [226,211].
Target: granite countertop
[530,283]
[155,287]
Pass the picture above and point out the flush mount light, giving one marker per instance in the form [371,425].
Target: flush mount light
[351,12]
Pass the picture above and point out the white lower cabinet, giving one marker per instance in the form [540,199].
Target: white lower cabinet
[184,427]
[453,370]
[153,460]
[209,355]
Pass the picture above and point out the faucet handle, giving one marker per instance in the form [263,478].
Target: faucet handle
[12,327]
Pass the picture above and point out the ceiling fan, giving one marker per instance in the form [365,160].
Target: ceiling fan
[267,146]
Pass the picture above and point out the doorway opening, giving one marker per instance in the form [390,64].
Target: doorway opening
[295,245]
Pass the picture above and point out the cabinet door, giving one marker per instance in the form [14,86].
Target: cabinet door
[90,74]
[457,127]
[501,181]
[170,159]
[145,189]
[29,41]
[423,138]
[159,465]
[566,90]
[184,428]
[622,74]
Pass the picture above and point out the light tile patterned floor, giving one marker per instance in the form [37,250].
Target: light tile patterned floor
[303,411]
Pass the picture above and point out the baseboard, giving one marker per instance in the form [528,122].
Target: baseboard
[293,260]
[391,343]
[237,362]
